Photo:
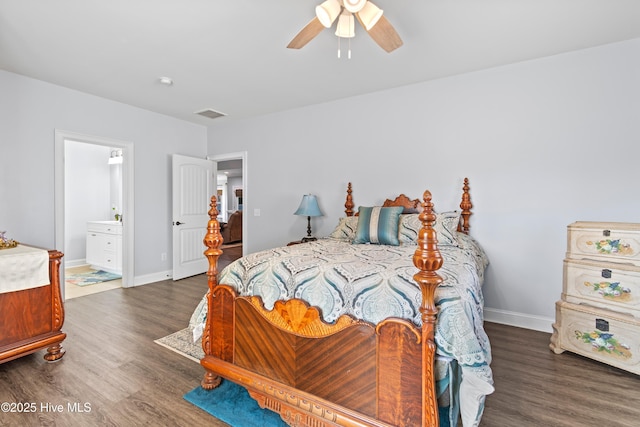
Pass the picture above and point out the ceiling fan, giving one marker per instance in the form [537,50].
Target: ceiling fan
[368,14]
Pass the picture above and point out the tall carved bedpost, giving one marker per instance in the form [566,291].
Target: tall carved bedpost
[466,206]
[428,260]
[349,203]
[212,240]
[55,352]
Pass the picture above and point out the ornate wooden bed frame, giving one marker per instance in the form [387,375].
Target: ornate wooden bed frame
[31,319]
[315,374]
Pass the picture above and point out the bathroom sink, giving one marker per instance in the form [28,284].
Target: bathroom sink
[107,222]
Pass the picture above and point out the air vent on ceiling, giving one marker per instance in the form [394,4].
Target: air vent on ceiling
[212,114]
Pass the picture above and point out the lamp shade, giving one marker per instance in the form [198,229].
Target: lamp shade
[370,15]
[346,25]
[354,6]
[308,206]
[327,12]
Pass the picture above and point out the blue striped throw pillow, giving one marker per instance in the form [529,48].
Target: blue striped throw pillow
[378,225]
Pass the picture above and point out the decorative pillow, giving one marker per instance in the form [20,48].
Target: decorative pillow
[346,229]
[446,226]
[378,225]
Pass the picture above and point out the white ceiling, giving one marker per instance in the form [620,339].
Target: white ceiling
[230,55]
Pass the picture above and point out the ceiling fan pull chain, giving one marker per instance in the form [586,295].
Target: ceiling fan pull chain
[348,49]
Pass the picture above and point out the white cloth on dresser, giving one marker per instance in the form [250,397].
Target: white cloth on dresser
[23,267]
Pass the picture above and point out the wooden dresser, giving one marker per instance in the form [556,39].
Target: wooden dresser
[31,317]
[598,315]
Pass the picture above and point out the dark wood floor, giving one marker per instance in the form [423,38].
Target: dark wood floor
[113,366]
[536,387]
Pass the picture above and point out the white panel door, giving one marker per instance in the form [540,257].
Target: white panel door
[194,182]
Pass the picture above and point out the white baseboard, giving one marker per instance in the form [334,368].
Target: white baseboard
[75,263]
[151,278]
[520,320]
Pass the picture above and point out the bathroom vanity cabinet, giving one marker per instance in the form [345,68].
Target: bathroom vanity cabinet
[104,245]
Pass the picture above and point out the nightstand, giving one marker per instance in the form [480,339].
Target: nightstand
[303,240]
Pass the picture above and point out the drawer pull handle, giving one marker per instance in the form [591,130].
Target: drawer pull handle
[602,325]
[606,273]
[606,233]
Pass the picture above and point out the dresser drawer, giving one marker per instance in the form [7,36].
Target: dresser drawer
[614,241]
[107,227]
[111,261]
[599,334]
[605,285]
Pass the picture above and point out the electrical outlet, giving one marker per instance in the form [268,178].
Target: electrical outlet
[163,256]
[256,212]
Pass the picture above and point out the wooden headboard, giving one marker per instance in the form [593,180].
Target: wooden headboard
[415,204]
[410,205]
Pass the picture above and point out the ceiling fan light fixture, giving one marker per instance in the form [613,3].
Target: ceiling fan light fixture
[346,25]
[370,15]
[327,12]
[354,6]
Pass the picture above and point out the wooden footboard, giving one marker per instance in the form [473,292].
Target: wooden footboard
[348,373]
[31,319]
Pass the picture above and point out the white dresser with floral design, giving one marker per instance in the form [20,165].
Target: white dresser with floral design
[598,315]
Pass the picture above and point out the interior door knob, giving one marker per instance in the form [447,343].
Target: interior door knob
[178,223]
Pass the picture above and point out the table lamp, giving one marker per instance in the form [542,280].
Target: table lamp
[308,207]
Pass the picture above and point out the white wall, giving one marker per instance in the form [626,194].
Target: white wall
[87,190]
[32,110]
[544,143]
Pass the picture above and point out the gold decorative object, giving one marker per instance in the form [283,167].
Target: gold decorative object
[6,243]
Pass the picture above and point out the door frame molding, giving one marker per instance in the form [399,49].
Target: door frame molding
[244,156]
[127,196]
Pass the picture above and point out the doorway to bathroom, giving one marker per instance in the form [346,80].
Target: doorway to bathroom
[94,213]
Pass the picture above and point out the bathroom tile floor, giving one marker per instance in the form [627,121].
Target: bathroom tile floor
[75,291]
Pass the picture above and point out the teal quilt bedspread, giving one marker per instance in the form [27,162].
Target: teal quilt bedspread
[374,282]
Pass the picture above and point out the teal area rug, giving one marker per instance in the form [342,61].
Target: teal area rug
[229,402]
[232,404]
[90,277]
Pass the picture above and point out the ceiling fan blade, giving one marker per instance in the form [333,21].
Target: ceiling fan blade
[312,29]
[385,35]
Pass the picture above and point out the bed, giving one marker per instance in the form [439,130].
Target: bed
[343,331]
[31,308]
